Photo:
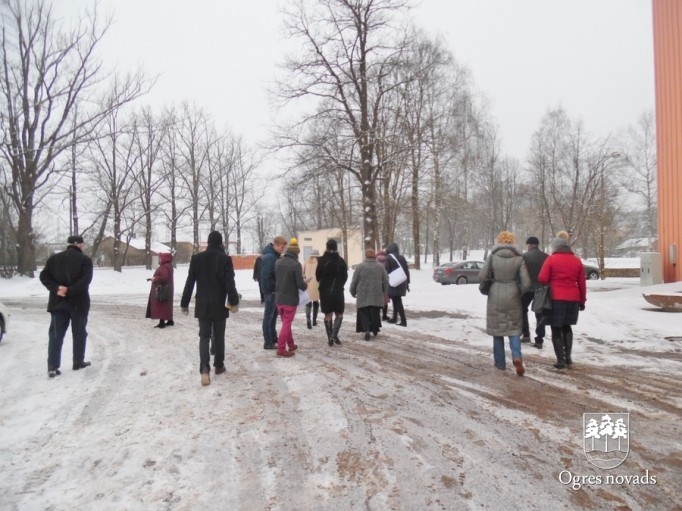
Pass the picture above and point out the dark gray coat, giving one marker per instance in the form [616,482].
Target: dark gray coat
[369,284]
[391,264]
[213,273]
[504,310]
[288,279]
[73,269]
[534,259]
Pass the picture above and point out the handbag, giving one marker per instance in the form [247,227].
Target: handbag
[303,298]
[485,285]
[397,276]
[542,300]
[163,293]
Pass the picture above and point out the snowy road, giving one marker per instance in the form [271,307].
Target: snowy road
[408,421]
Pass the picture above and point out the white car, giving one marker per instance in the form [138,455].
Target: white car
[4,320]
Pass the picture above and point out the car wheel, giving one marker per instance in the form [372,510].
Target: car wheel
[593,275]
[461,280]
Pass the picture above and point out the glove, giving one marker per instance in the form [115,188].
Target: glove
[581,307]
[185,310]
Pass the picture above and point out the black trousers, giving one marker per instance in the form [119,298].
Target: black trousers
[211,329]
[540,319]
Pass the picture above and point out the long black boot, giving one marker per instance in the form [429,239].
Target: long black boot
[328,328]
[384,315]
[337,327]
[568,346]
[316,308]
[558,343]
[308,308]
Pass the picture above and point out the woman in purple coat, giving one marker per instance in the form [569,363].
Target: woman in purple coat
[163,276]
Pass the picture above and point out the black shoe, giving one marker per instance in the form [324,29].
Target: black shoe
[537,345]
[392,320]
[269,346]
[366,336]
[402,323]
[525,339]
[160,325]
[314,323]
[309,325]
[53,372]
[559,365]
[331,342]
[81,365]
[170,322]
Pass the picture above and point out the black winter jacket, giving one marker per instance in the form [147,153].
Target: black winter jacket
[73,269]
[267,269]
[534,259]
[332,274]
[391,265]
[213,273]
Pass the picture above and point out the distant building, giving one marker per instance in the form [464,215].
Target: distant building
[351,249]
[633,246]
[133,252]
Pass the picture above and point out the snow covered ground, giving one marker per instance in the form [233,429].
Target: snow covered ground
[417,418]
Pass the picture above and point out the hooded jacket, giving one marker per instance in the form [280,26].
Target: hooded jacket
[565,274]
[511,280]
[391,264]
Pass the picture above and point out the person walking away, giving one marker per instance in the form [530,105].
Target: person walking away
[67,275]
[332,274]
[534,259]
[213,273]
[256,275]
[381,259]
[565,275]
[393,259]
[288,281]
[314,305]
[368,287]
[271,253]
[158,308]
[504,309]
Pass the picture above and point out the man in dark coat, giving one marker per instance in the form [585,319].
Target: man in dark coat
[67,275]
[394,259]
[534,259]
[271,253]
[213,273]
[256,275]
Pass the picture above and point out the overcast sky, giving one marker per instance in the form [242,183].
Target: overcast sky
[593,57]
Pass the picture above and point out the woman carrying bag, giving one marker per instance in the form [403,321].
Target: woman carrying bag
[160,302]
[504,312]
[393,260]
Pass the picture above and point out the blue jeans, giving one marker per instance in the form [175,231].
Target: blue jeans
[211,329]
[58,327]
[270,320]
[498,349]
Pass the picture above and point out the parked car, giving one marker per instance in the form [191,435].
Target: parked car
[591,271]
[458,272]
[4,320]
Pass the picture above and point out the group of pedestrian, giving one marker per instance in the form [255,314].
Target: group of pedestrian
[515,276]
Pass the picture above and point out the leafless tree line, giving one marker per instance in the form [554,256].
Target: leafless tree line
[69,129]
[396,141]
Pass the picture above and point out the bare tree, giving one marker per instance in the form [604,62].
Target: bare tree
[349,52]
[48,70]
[639,156]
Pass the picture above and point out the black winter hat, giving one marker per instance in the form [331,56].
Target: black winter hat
[215,239]
[332,245]
[75,239]
[532,241]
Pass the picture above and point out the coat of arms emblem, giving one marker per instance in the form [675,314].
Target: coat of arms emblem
[606,438]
